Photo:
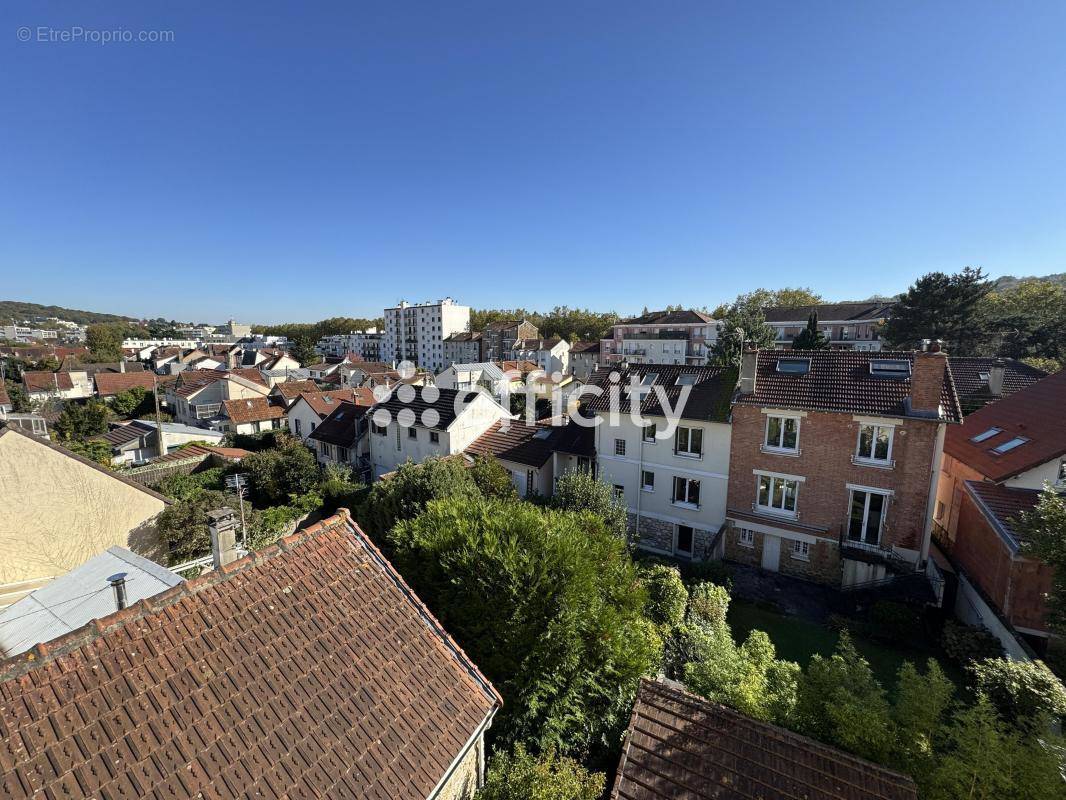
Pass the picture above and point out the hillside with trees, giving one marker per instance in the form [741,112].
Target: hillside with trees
[18,311]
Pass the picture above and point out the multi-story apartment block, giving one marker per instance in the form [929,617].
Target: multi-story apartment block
[365,344]
[416,333]
[498,338]
[661,337]
[834,461]
[855,326]
[672,474]
[462,348]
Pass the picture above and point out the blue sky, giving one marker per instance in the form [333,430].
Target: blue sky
[298,161]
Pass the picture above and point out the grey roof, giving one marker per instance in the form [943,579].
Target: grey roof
[82,595]
[490,370]
[832,312]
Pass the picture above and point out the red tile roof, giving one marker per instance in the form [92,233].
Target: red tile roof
[111,383]
[45,381]
[323,403]
[4,399]
[1001,505]
[307,669]
[1034,413]
[971,379]
[193,380]
[250,374]
[519,443]
[252,409]
[290,390]
[679,745]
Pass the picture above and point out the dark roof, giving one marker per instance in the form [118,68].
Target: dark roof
[111,383]
[446,402]
[840,381]
[971,379]
[521,443]
[253,409]
[341,427]
[503,325]
[584,347]
[536,344]
[686,317]
[575,439]
[124,434]
[464,337]
[679,745]
[866,311]
[92,370]
[708,400]
[44,381]
[1034,413]
[201,451]
[308,669]
[1001,505]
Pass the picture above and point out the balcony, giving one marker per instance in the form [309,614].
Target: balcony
[206,410]
[660,335]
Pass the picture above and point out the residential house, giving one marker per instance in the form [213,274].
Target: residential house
[416,333]
[108,582]
[60,509]
[551,355]
[42,386]
[109,384]
[980,380]
[324,370]
[681,745]
[137,442]
[342,438]
[308,669]
[834,461]
[484,377]
[525,451]
[416,423]
[290,390]
[196,397]
[498,339]
[252,415]
[462,348]
[854,326]
[584,360]
[672,473]
[372,375]
[661,337]
[306,412]
[994,465]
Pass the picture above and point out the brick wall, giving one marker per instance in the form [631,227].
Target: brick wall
[822,566]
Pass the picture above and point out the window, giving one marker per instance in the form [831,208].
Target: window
[687,379]
[794,366]
[801,550]
[619,492]
[689,442]
[434,437]
[327,450]
[297,427]
[684,540]
[746,537]
[1017,441]
[866,517]
[939,510]
[378,429]
[397,436]
[342,454]
[529,482]
[986,435]
[649,379]
[412,433]
[686,492]
[875,443]
[619,447]
[782,433]
[890,368]
[647,480]
[777,495]
[649,433]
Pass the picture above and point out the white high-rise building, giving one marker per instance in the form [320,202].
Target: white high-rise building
[416,333]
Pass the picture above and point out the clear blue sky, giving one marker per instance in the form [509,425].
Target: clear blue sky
[302,160]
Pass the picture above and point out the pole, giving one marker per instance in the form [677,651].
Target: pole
[244,530]
[158,417]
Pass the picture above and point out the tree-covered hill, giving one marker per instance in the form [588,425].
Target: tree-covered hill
[17,311]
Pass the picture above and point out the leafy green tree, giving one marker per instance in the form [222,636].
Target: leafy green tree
[580,491]
[133,403]
[491,479]
[1026,321]
[404,494]
[549,776]
[183,525]
[104,340]
[1042,530]
[918,713]
[1026,693]
[743,322]
[795,297]
[810,338]
[547,603]
[275,475]
[667,596]
[20,401]
[303,350]
[1048,365]
[79,421]
[940,306]
[97,451]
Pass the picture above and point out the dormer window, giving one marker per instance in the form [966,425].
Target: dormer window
[649,379]
[794,366]
[986,435]
[687,379]
[1007,446]
[890,368]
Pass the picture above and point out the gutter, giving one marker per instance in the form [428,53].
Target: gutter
[476,737]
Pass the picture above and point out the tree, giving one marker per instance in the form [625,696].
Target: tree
[547,603]
[104,340]
[667,596]
[276,475]
[810,338]
[133,402]
[921,701]
[745,315]
[183,525]
[522,776]
[580,491]
[491,479]
[1026,321]
[1048,365]
[79,421]
[20,401]
[939,306]
[303,350]
[1025,693]
[797,297]
[1042,531]
[97,451]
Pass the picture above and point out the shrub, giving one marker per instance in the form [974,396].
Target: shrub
[708,604]
[275,475]
[521,776]
[714,571]
[667,597]
[898,623]
[579,491]
[966,643]
[1022,691]
[404,495]
[491,479]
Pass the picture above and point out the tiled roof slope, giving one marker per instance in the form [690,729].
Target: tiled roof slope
[323,403]
[253,409]
[840,381]
[519,443]
[290,390]
[44,381]
[584,347]
[831,312]
[341,427]
[708,399]
[308,669]
[973,388]
[4,399]
[464,337]
[1001,505]
[1035,413]
[679,745]
[688,317]
[111,383]
[446,402]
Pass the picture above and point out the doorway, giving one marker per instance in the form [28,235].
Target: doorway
[771,552]
[683,545]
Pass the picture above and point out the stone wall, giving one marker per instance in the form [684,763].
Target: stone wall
[463,783]
[658,535]
[822,566]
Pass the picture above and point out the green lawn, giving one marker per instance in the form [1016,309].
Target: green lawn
[797,640]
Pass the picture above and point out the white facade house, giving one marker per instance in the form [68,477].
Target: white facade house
[478,377]
[551,355]
[661,337]
[416,333]
[417,423]
[672,475]
[198,400]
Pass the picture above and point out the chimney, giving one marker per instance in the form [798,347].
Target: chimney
[927,380]
[223,526]
[749,362]
[118,583]
[995,377]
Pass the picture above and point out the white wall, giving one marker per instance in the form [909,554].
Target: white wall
[1035,477]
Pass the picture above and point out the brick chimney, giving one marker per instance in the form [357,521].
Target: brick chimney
[995,377]
[927,380]
[749,362]
[223,526]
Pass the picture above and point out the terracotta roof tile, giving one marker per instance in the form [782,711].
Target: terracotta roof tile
[971,379]
[1001,505]
[323,403]
[5,400]
[44,381]
[308,669]
[680,745]
[708,400]
[252,409]
[291,389]
[111,383]
[250,374]
[521,443]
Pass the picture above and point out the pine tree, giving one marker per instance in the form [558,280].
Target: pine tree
[810,338]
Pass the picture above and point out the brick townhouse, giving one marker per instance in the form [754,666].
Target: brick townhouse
[833,457]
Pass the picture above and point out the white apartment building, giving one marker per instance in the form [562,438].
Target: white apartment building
[484,377]
[853,326]
[674,482]
[366,344]
[416,333]
[661,337]
[551,355]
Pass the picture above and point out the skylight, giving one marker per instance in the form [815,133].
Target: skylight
[890,368]
[794,366]
[986,435]
[544,434]
[688,379]
[649,379]
[1017,441]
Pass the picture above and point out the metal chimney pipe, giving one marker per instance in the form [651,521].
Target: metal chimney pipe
[118,583]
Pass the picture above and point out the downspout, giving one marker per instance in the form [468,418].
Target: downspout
[934,479]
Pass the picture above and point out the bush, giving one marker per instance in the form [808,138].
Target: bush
[492,480]
[522,776]
[181,487]
[276,475]
[700,571]
[966,643]
[708,604]
[1024,692]
[406,493]
[894,622]
[667,597]
[579,491]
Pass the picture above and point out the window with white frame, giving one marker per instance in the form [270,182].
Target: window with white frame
[777,494]
[647,480]
[875,443]
[801,550]
[746,537]
[688,442]
[619,447]
[649,433]
[782,433]
[686,492]
[866,516]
